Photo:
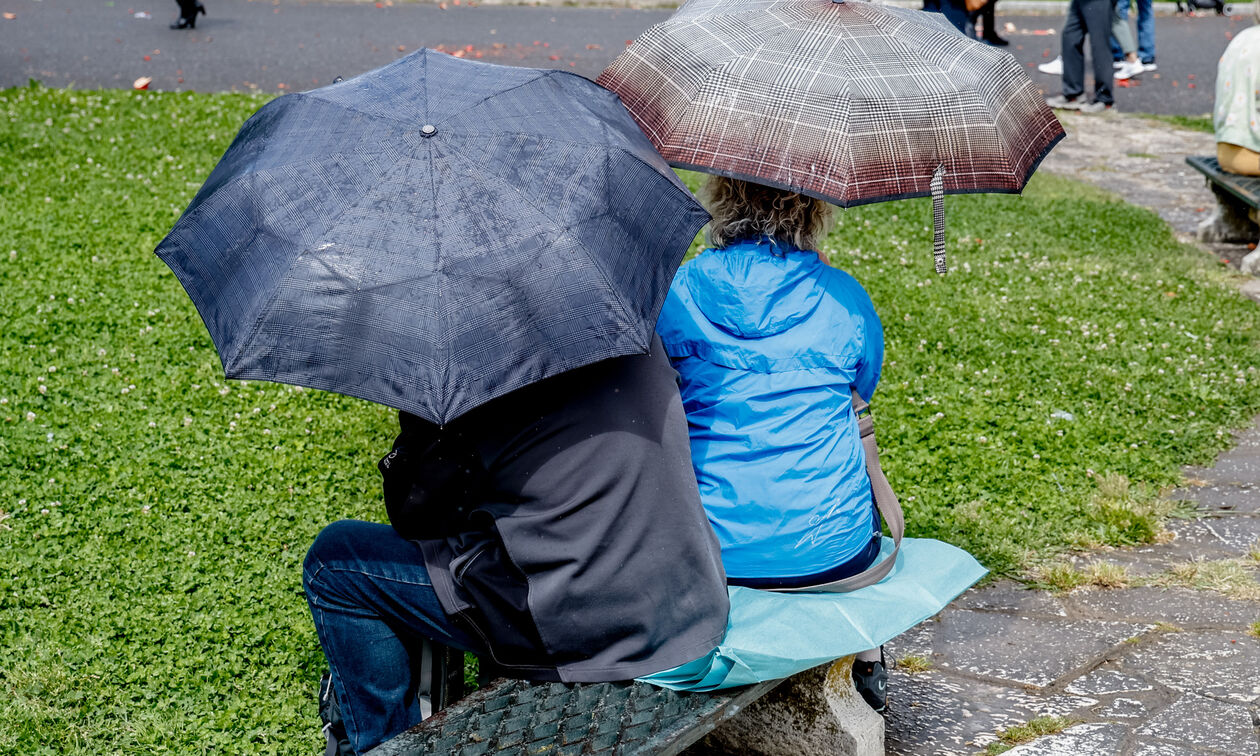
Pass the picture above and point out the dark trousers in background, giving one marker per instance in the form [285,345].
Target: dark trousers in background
[187,8]
[1088,18]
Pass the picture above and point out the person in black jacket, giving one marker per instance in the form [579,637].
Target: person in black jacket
[557,530]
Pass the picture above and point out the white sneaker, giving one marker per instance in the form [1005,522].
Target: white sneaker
[1129,70]
[1118,64]
[1149,66]
[1054,67]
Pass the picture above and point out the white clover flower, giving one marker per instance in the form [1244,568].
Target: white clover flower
[30,417]
[44,389]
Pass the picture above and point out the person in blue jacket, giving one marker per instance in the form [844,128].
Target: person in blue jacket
[769,340]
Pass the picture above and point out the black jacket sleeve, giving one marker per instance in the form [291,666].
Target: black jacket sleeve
[431,478]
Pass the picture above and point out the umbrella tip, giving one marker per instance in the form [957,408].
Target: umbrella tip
[428,130]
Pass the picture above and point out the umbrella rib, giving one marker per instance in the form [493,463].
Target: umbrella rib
[271,300]
[351,108]
[492,95]
[565,230]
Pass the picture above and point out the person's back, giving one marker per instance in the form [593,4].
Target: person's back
[770,341]
[580,492]
[557,529]
[1235,117]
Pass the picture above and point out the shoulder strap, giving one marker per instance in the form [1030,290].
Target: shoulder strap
[885,500]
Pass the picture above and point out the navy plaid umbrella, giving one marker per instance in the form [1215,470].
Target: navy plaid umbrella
[851,102]
[433,234]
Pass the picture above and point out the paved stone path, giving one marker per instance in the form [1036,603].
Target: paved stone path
[1141,670]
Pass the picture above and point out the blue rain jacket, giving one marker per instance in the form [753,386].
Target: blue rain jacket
[768,340]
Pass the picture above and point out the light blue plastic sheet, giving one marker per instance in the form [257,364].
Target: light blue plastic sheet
[773,635]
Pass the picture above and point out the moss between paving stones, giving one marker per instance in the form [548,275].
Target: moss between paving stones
[153,517]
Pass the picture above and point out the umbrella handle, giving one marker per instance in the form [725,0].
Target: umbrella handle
[938,219]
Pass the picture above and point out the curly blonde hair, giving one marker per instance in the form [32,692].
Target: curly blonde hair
[744,210]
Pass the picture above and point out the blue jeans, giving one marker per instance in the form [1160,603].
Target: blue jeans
[372,603]
[1145,30]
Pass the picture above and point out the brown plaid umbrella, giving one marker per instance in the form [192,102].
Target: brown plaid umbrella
[850,102]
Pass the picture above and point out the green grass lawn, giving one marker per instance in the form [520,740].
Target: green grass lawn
[153,517]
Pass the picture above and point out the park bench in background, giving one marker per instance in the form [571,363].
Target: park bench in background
[815,712]
[1237,201]
[1236,217]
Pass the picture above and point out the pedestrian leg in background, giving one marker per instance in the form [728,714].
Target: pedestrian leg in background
[954,12]
[1097,18]
[1121,34]
[1146,34]
[1117,49]
[188,10]
[986,17]
[1072,56]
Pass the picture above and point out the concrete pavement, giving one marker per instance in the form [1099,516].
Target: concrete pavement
[290,45]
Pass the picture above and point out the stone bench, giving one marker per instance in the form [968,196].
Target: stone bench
[815,712]
[1236,217]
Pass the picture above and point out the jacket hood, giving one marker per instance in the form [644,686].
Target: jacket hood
[739,293]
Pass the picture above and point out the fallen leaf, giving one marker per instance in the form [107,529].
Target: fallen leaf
[593,47]
[1175,83]
[147,58]
[141,83]
[402,48]
[469,48]
[629,42]
[553,57]
[1251,245]
[380,5]
[546,44]
[1190,77]
[441,6]
[1190,85]
[477,54]
[1009,26]
[282,85]
[458,54]
[180,80]
[1170,294]
[10,16]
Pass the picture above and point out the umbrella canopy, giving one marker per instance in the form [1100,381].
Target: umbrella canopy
[433,234]
[850,102]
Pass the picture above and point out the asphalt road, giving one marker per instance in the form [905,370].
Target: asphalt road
[287,45]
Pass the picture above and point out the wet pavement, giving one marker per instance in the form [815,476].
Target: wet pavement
[290,45]
[1144,670]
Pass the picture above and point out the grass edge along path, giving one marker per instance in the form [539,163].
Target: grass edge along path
[154,517]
